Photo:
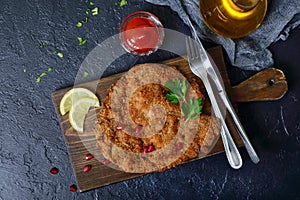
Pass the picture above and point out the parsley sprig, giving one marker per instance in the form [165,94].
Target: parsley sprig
[191,108]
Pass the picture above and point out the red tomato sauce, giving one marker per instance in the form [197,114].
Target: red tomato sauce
[141,35]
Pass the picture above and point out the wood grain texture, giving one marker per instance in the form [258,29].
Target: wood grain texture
[269,84]
[101,175]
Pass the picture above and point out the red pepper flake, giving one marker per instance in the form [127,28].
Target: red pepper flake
[89,156]
[87,168]
[73,188]
[106,162]
[179,145]
[54,170]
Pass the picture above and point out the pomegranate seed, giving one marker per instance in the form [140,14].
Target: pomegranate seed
[106,162]
[145,150]
[183,118]
[119,127]
[54,170]
[87,168]
[179,146]
[138,129]
[73,188]
[150,148]
[89,156]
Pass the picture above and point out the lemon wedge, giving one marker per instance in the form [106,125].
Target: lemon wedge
[72,96]
[79,110]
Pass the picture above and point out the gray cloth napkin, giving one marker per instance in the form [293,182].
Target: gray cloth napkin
[250,52]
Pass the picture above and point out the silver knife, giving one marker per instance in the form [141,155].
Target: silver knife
[210,67]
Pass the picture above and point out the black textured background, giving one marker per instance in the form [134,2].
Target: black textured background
[31,142]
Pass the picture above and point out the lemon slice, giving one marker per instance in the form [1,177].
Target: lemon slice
[78,111]
[72,96]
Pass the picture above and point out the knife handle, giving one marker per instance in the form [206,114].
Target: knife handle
[254,157]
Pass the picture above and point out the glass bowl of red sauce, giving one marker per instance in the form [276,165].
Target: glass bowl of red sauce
[141,33]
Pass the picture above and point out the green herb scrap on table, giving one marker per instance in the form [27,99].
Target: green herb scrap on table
[90,11]
[123,3]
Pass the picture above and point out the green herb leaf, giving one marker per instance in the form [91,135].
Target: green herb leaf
[91,3]
[50,69]
[43,74]
[183,87]
[81,41]
[61,55]
[38,79]
[177,90]
[177,93]
[123,3]
[79,24]
[24,70]
[86,20]
[171,97]
[42,45]
[95,11]
[85,74]
[192,108]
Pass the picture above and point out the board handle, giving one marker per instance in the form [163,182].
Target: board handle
[268,84]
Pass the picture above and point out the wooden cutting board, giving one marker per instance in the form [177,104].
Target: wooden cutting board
[269,84]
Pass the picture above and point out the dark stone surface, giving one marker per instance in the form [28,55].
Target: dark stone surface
[31,142]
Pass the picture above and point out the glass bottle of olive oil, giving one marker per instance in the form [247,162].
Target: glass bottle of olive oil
[233,18]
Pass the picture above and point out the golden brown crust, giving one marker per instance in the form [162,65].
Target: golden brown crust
[150,120]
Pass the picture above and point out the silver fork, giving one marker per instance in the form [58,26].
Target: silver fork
[196,58]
